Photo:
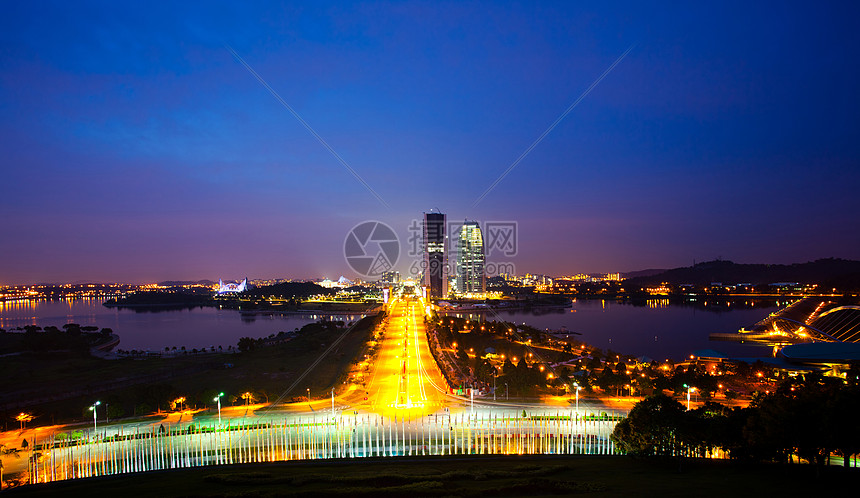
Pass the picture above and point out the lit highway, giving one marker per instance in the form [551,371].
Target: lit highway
[405,380]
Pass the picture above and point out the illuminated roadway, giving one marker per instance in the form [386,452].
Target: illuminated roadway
[405,379]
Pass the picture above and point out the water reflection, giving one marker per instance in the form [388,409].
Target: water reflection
[154,331]
[657,327]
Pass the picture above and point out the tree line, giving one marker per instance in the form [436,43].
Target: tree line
[807,418]
[70,336]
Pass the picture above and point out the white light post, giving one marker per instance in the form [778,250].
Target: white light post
[506,392]
[689,390]
[93,409]
[332,403]
[577,396]
[494,384]
[218,399]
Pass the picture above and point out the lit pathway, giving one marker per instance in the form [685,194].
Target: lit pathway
[405,380]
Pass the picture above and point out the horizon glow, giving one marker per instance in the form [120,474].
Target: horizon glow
[137,149]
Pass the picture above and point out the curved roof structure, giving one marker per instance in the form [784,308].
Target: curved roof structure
[813,319]
[841,323]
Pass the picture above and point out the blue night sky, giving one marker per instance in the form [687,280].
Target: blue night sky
[135,147]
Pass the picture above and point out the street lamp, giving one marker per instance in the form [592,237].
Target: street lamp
[506,392]
[309,395]
[689,390]
[93,409]
[576,384]
[218,399]
[23,417]
[472,398]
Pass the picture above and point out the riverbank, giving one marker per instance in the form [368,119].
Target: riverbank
[40,383]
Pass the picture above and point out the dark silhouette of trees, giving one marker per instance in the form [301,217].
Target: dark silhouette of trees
[841,412]
[610,380]
[653,428]
[246,344]
[807,417]
[72,329]
[483,370]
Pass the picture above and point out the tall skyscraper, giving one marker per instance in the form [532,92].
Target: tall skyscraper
[470,259]
[435,256]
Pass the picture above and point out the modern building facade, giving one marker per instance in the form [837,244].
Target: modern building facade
[435,266]
[470,259]
[389,278]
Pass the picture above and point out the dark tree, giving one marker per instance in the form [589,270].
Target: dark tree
[844,432]
[245,344]
[653,428]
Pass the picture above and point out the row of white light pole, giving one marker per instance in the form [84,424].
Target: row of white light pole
[689,390]
[93,409]
[217,399]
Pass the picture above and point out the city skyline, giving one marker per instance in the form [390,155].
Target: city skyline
[140,146]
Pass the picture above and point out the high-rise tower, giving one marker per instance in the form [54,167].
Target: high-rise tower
[435,256]
[470,259]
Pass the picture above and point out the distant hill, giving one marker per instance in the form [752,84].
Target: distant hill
[727,272]
[643,273]
[290,289]
[179,283]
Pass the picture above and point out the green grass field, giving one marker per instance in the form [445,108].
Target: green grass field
[471,476]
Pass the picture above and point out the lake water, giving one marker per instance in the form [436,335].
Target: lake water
[659,330]
[153,331]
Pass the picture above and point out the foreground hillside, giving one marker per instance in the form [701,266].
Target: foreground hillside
[470,476]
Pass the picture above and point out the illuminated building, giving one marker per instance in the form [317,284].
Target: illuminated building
[470,259]
[435,265]
[342,283]
[389,278]
[232,288]
[662,290]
